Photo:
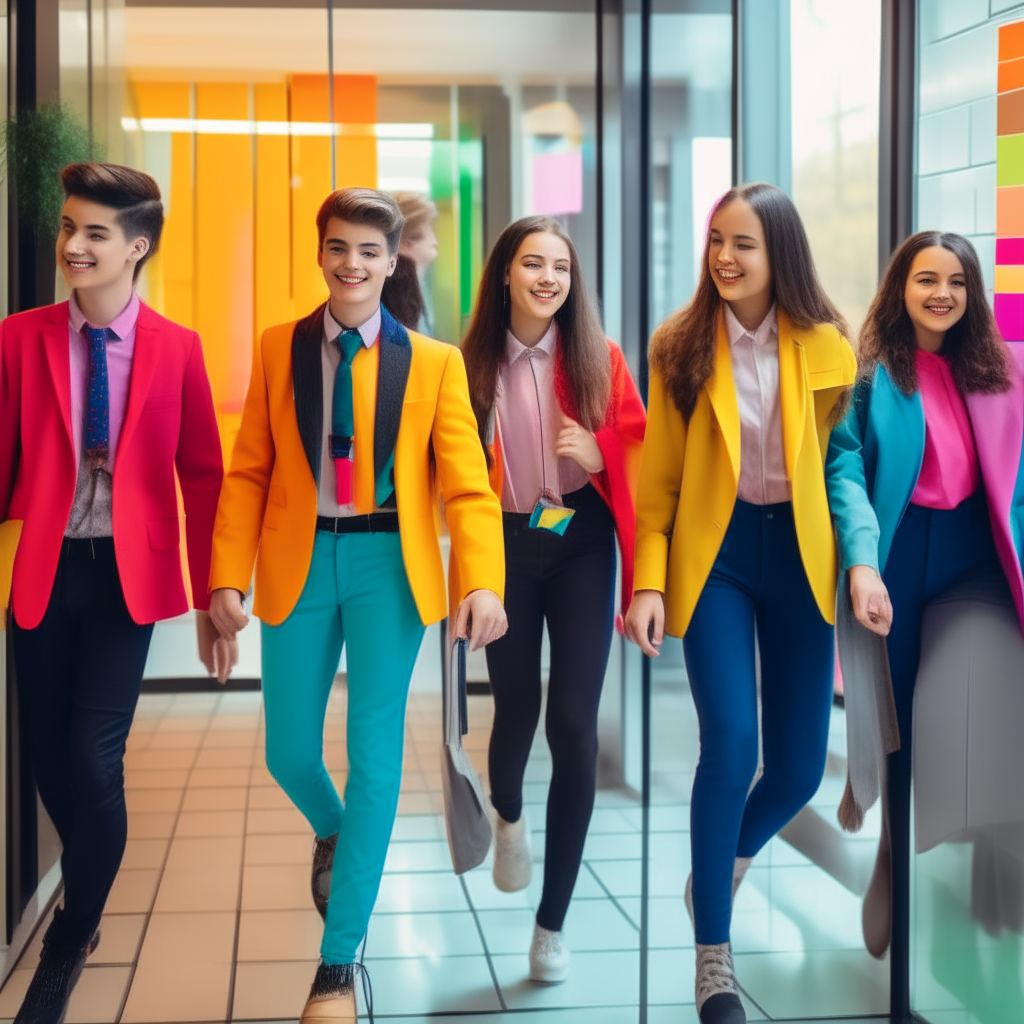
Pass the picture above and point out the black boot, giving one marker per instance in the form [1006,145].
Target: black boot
[60,967]
[323,863]
[723,1008]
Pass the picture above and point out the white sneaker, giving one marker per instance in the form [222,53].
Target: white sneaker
[549,956]
[513,867]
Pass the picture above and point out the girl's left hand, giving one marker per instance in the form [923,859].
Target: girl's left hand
[577,443]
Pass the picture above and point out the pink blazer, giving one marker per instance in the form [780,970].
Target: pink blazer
[170,429]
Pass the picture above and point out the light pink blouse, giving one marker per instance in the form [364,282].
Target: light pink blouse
[949,472]
[529,422]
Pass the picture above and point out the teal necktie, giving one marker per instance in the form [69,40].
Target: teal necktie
[343,415]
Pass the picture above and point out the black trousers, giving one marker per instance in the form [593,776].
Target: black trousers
[79,676]
[570,582]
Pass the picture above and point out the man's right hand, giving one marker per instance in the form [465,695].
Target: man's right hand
[645,621]
[227,612]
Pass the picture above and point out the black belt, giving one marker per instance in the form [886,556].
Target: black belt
[375,522]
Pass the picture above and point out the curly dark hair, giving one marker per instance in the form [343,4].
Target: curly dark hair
[683,347]
[584,348]
[975,351]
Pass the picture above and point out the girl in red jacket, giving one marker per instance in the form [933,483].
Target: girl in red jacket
[562,425]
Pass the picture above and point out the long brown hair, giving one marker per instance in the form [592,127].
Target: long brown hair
[584,348]
[683,347]
[973,347]
[402,294]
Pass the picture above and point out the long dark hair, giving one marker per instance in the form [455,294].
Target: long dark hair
[402,294]
[683,347]
[584,348]
[976,353]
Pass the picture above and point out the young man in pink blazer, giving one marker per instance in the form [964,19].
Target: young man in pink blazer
[103,403]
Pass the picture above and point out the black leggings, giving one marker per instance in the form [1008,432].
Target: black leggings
[569,581]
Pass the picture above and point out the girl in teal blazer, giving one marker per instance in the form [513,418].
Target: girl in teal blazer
[926,489]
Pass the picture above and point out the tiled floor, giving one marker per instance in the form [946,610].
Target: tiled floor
[210,919]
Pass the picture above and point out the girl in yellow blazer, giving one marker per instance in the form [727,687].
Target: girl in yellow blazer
[734,535]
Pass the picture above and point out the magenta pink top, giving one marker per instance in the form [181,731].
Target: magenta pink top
[949,472]
[119,368]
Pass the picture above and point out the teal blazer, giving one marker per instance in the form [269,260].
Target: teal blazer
[874,461]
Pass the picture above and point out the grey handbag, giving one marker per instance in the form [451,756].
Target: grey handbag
[465,815]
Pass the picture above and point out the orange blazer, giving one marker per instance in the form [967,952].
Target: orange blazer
[267,512]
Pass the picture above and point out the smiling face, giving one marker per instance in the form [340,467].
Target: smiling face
[92,250]
[355,262]
[935,295]
[538,278]
[738,257]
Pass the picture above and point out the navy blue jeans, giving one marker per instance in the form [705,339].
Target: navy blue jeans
[757,592]
[933,550]
[79,676]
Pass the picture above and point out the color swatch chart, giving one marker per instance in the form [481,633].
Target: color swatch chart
[1009,298]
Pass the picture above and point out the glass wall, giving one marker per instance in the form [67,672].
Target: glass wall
[968,874]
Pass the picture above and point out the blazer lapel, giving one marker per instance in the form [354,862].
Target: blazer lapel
[308,385]
[392,377]
[792,393]
[144,364]
[57,340]
[721,388]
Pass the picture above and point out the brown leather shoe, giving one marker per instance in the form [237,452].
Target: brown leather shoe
[320,879]
[332,997]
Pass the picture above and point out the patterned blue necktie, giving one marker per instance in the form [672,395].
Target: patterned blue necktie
[97,423]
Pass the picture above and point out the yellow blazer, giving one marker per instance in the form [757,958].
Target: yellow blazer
[689,472]
[267,510]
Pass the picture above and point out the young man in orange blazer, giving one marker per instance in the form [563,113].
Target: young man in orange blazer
[350,426]
[103,404]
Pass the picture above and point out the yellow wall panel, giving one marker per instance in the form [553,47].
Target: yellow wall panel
[1010,279]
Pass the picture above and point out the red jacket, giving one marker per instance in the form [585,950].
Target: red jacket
[621,440]
[169,426]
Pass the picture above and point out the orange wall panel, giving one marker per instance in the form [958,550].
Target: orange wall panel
[1010,212]
[1011,41]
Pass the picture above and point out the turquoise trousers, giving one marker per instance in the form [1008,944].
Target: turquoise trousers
[356,596]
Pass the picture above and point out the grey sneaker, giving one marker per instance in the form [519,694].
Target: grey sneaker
[549,956]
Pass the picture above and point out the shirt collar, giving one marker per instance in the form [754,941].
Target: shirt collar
[768,327]
[122,324]
[514,348]
[368,331]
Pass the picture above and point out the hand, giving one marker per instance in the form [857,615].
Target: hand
[645,621]
[575,442]
[481,619]
[227,612]
[218,654]
[871,605]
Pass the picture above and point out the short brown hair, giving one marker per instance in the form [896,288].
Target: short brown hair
[134,194]
[363,206]
[418,211]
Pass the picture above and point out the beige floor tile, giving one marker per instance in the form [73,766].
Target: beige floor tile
[175,740]
[224,757]
[133,891]
[340,779]
[413,782]
[98,995]
[260,776]
[149,760]
[271,990]
[143,825]
[276,887]
[119,939]
[151,800]
[199,887]
[158,778]
[278,849]
[229,738]
[215,798]
[184,972]
[219,777]
[269,935]
[144,853]
[280,820]
[15,988]
[415,803]
[268,798]
[210,823]
[195,852]
[183,723]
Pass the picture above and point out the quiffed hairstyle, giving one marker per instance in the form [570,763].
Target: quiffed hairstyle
[134,194]
[418,211]
[683,347]
[584,348]
[363,206]
[975,351]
